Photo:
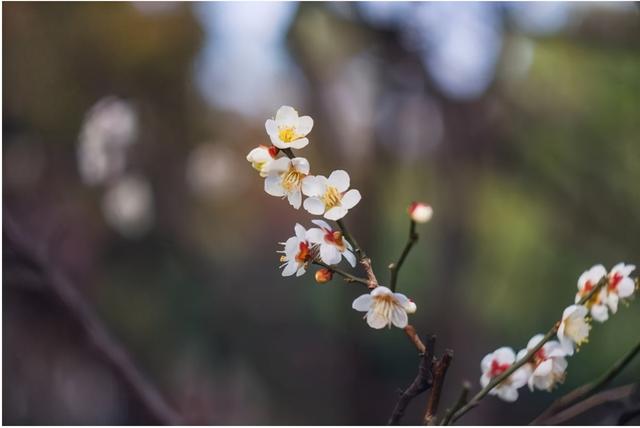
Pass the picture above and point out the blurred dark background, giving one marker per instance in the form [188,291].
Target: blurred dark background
[125,131]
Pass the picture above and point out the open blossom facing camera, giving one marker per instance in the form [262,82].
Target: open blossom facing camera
[284,178]
[548,365]
[574,328]
[597,304]
[261,157]
[383,308]
[288,130]
[332,244]
[620,286]
[296,253]
[498,362]
[329,196]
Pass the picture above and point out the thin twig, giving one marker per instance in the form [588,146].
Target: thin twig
[394,268]
[583,406]
[82,312]
[586,390]
[347,276]
[422,382]
[462,400]
[413,336]
[515,366]
[365,261]
[439,372]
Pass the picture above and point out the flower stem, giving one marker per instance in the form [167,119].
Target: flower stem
[394,268]
[348,277]
[365,261]
[515,366]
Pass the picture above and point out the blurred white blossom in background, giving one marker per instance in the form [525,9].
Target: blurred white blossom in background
[128,206]
[215,171]
[110,127]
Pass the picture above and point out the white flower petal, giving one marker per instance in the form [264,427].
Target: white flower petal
[314,185]
[351,259]
[600,313]
[380,291]
[299,143]
[399,317]
[626,287]
[323,224]
[290,268]
[286,116]
[508,393]
[273,186]
[301,232]
[376,320]
[362,303]
[484,380]
[314,206]
[485,364]
[612,302]
[544,368]
[505,355]
[401,299]
[340,180]
[335,213]
[534,341]
[330,254]
[271,127]
[295,198]
[315,235]
[350,199]
[304,126]
[279,165]
[301,271]
[301,165]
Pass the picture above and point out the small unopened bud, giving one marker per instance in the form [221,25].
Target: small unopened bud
[323,275]
[420,212]
[410,307]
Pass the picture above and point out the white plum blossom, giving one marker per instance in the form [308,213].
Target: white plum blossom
[288,130]
[420,212]
[383,307]
[284,179]
[620,286]
[548,364]
[261,158]
[332,244]
[574,328]
[498,362]
[329,196]
[296,253]
[597,304]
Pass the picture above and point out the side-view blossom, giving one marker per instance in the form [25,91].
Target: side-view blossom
[284,178]
[329,196]
[548,365]
[383,307]
[332,244]
[597,304]
[261,157]
[420,212]
[288,130]
[574,328]
[498,362]
[296,253]
[620,285]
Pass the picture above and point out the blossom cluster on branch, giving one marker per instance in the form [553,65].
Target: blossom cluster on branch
[545,367]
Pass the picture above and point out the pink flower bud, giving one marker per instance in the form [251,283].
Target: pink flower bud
[420,212]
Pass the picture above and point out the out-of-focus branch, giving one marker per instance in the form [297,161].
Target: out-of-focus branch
[112,352]
[462,400]
[588,389]
[439,370]
[422,382]
[515,366]
[598,399]
[394,268]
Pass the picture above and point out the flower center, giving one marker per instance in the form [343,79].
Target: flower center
[614,281]
[577,329]
[384,305]
[287,135]
[497,369]
[539,357]
[303,253]
[331,197]
[292,179]
[335,238]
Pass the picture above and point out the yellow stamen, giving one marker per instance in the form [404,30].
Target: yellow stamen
[331,197]
[287,135]
[292,179]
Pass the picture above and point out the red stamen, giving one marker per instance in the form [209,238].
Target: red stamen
[614,281]
[303,255]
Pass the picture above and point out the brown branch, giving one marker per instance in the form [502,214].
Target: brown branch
[411,333]
[422,382]
[596,400]
[439,372]
[586,390]
[83,314]
[394,268]
[462,400]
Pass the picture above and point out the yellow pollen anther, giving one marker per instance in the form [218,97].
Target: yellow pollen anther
[287,135]
[292,179]
[331,197]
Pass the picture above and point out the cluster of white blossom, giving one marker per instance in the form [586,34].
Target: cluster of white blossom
[547,367]
[287,176]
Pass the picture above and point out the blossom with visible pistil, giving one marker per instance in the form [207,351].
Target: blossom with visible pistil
[548,364]
[329,196]
[620,286]
[597,303]
[284,178]
[296,253]
[288,130]
[261,157]
[332,244]
[574,328]
[420,212]
[383,307]
[498,362]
